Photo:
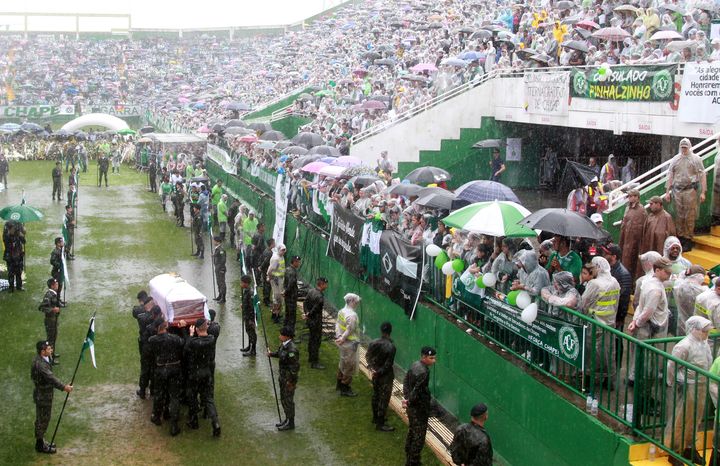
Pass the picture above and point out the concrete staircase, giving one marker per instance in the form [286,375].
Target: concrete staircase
[707,249]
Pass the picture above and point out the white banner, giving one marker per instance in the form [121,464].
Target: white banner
[222,158]
[513,152]
[700,93]
[31,112]
[547,93]
[282,189]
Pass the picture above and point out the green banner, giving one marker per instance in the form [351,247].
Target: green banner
[624,83]
[559,338]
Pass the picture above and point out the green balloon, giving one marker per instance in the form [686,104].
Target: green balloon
[332,83]
[441,259]
[458,265]
[479,282]
[512,297]
[601,71]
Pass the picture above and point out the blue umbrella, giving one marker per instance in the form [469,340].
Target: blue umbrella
[471,56]
[10,127]
[481,191]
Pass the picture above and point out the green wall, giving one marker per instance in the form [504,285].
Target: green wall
[290,124]
[468,164]
[265,112]
[530,424]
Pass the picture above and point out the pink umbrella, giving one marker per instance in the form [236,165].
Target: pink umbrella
[421,67]
[347,161]
[248,138]
[314,167]
[332,171]
[204,129]
[183,100]
[666,35]
[587,24]
[370,105]
[614,34]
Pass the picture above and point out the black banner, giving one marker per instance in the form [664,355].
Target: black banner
[401,268]
[345,236]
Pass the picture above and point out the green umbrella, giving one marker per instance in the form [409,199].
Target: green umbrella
[21,213]
[126,131]
[495,218]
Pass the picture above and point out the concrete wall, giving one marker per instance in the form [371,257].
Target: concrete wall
[504,99]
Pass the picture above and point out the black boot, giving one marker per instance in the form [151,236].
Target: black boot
[157,420]
[338,385]
[216,429]
[347,391]
[193,423]
[280,424]
[694,456]
[42,447]
[289,425]
[140,393]
[174,428]
[250,353]
[246,349]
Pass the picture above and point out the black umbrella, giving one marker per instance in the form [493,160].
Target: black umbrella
[238,106]
[575,45]
[440,199]
[385,61]
[308,139]
[147,129]
[272,135]
[405,189]
[261,127]
[218,127]
[325,150]
[238,130]
[283,144]
[427,175]
[233,123]
[31,127]
[563,222]
[363,180]
[295,150]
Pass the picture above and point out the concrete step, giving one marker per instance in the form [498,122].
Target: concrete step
[705,258]
[708,243]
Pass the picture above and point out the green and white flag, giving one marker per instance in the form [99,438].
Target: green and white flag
[65,235]
[90,341]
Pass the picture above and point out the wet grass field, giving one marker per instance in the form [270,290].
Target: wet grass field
[123,240]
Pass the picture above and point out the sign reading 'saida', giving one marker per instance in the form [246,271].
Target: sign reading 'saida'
[628,83]
[31,112]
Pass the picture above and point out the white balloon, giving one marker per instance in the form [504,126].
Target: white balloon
[433,250]
[529,314]
[447,268]
[489,279]
[523,299]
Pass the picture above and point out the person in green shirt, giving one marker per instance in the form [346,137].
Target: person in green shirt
[249,228]
[198,171]
[222,209]
[215,195]
[166,188]
[564,259]
[189,171]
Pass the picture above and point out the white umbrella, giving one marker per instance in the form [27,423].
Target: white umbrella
[495,218]
[666,35]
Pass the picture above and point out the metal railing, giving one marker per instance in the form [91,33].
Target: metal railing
[617,197]
[274,101]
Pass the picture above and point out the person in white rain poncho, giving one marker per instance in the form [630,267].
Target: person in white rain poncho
[646,262]
[600,301]
[672,251]
[531,277]
[707,305]
[688,286]
[347,338]
[562,292]
[687,390]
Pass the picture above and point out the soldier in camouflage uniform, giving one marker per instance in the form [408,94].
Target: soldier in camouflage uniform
[56,261]
[289,357]
[290,292]
[44,380]
[219,259]
[417,398]
[197,228]
[50,306]
[199,355]
[248,315]
[167,350]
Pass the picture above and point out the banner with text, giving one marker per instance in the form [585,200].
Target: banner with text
[624,83]
[700,93]
[401,269]
[31,112]
[559,338]
[547,93]
[120,110]
[345,234]
[282,189]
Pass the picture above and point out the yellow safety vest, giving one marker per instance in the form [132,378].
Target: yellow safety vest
[280,271]
[605,306]
[699,308]
[342,323]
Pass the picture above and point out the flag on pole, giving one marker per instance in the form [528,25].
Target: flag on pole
[90,341]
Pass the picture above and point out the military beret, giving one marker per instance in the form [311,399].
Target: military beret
[287,332]
[478,410]
[428,351]
[200,322]
[41,345]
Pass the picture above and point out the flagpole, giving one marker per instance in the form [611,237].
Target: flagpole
[75,211]
[258,314]
[72,380]
[212,259]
